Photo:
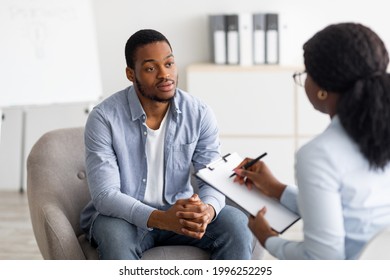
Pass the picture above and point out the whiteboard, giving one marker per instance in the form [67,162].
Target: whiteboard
[48,52]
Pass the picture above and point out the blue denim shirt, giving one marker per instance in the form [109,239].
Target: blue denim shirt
[116,165]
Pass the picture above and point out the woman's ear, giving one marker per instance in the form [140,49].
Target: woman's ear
[130,74]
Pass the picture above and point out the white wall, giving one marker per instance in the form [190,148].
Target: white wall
[185,23]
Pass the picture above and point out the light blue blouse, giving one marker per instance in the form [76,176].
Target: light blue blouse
[342,202]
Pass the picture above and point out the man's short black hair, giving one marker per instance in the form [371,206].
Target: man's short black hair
[139,39]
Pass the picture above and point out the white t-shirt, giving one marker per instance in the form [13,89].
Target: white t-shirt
[155,157]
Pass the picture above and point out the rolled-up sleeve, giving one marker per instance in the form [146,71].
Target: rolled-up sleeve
[289,198]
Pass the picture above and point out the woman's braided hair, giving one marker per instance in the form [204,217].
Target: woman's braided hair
[351,60]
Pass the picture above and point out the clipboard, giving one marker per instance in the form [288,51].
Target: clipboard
[216,174]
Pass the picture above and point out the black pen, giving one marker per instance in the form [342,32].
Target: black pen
[249,164]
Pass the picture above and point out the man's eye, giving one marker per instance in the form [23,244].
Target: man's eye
[149,69]
[169,64]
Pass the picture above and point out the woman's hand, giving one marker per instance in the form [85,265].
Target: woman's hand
[260,177]
[260,227]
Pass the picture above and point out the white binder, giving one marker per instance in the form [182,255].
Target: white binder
[217,175]
[245,32]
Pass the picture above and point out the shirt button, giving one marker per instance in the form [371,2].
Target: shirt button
[144,180]
[145,133]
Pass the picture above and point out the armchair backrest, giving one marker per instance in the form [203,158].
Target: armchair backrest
[378,248]
[57,191]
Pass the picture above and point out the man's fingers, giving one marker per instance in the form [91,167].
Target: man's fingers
[192,211]
[193,234]
[195,223]
[194,229]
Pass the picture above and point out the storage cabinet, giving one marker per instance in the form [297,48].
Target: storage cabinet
[258,109]
[11,149]
[21,128]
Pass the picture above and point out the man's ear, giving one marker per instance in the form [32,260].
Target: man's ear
[130,74]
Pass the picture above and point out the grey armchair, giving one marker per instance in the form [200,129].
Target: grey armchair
[57,191]
[378,248]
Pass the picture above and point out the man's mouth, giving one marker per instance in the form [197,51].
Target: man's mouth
[167,85]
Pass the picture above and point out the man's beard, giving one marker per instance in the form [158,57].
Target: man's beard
[151,96]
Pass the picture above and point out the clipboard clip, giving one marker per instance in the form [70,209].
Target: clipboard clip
[217,162]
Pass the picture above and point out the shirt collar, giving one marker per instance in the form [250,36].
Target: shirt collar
[175,104]
[138,112]
[335,120]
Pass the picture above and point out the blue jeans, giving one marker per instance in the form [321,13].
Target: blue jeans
[227,237]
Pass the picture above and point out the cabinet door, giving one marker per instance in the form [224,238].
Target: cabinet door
[41,119]
[11,149]
[280,153]
[247,101]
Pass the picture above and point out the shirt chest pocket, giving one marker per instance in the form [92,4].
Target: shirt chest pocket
[182,155]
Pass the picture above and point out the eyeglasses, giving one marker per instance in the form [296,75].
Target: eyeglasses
[300,78]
